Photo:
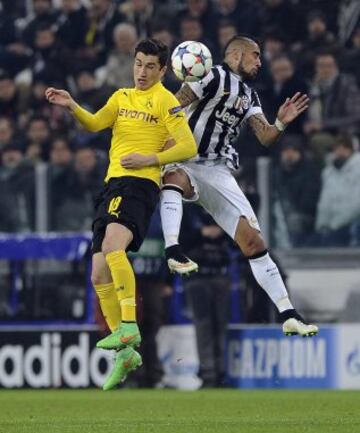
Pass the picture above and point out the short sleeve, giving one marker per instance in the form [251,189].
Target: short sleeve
[255,106]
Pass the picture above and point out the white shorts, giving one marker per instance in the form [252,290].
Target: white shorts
[217,191]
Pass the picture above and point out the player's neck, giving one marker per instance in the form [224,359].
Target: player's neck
[233,69]
[149,89]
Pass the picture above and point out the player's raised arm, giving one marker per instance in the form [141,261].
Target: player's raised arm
[102,119]
[289,111]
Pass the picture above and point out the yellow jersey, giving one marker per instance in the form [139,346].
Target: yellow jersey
[142,121]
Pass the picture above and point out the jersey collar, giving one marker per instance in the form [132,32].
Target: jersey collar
[152,89]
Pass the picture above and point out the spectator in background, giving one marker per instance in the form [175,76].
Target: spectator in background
[318,40]
[145,15]
[339,205]
[38,137]
[13,97]
[284,83]
[90,94]
[14,55]
[296,187]
[334,104]
[102,18]
[17,191]
[282,15]
[350,61]
[59,174]
[243,14]
[89,172]
[208,291]
[164,34]
[44,15]
[191,29]
[7,132]
[59,120]
[71,24]
[120,63]
[50,57]
[225,31]
[203,11]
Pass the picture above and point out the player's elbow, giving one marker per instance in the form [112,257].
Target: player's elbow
[266,141]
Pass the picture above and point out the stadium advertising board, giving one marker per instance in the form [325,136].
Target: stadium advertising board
[262,357]
[52,359]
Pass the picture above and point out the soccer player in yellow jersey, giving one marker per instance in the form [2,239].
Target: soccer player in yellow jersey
[142,119]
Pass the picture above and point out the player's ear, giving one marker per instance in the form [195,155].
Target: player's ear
[163,71]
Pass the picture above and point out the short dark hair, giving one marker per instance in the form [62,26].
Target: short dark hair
[153,47]
[331,53]
[344,139]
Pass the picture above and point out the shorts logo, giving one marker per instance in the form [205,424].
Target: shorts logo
[114,206]
[175,110]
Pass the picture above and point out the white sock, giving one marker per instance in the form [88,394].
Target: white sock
[268,277]
[171,211]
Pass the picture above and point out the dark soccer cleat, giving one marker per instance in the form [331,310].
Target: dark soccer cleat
[179,262]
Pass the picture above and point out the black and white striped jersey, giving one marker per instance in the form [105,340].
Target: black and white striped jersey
[224,104]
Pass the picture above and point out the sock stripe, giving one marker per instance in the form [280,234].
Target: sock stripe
[171,187]
[258,255]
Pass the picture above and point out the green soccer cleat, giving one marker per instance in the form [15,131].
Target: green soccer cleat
[126,360]
[128,334]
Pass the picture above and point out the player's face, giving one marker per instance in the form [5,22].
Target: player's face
[147,71]
[250,62]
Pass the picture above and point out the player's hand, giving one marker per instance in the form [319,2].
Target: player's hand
[59,97]
[136,160]
[293,107]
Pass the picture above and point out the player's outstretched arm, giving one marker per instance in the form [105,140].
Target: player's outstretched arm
[102,119]
[289,111]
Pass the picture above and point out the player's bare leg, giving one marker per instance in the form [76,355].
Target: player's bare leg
[176,185]
[268,277]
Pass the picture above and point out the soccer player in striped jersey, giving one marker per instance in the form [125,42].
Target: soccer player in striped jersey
[217,107]
[142,120]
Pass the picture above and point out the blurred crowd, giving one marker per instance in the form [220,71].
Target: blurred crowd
[86,46]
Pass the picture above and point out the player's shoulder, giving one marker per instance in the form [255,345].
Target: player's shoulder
[123,91]
[165,97]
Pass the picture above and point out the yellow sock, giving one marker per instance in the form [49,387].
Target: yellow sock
[109,304]
[124,283]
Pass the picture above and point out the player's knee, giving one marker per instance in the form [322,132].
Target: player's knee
[176,177]
[180,179]
[98,277]
[107,246]
[253,245]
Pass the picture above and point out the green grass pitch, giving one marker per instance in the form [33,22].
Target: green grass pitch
[160,411]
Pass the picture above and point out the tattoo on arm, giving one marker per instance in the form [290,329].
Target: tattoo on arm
[186,96]
[265,133]
[258,124]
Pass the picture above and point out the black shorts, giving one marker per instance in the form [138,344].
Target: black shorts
[129,201]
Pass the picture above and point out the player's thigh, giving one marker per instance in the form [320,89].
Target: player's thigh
[222,197]
[117,237]
[100,273]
